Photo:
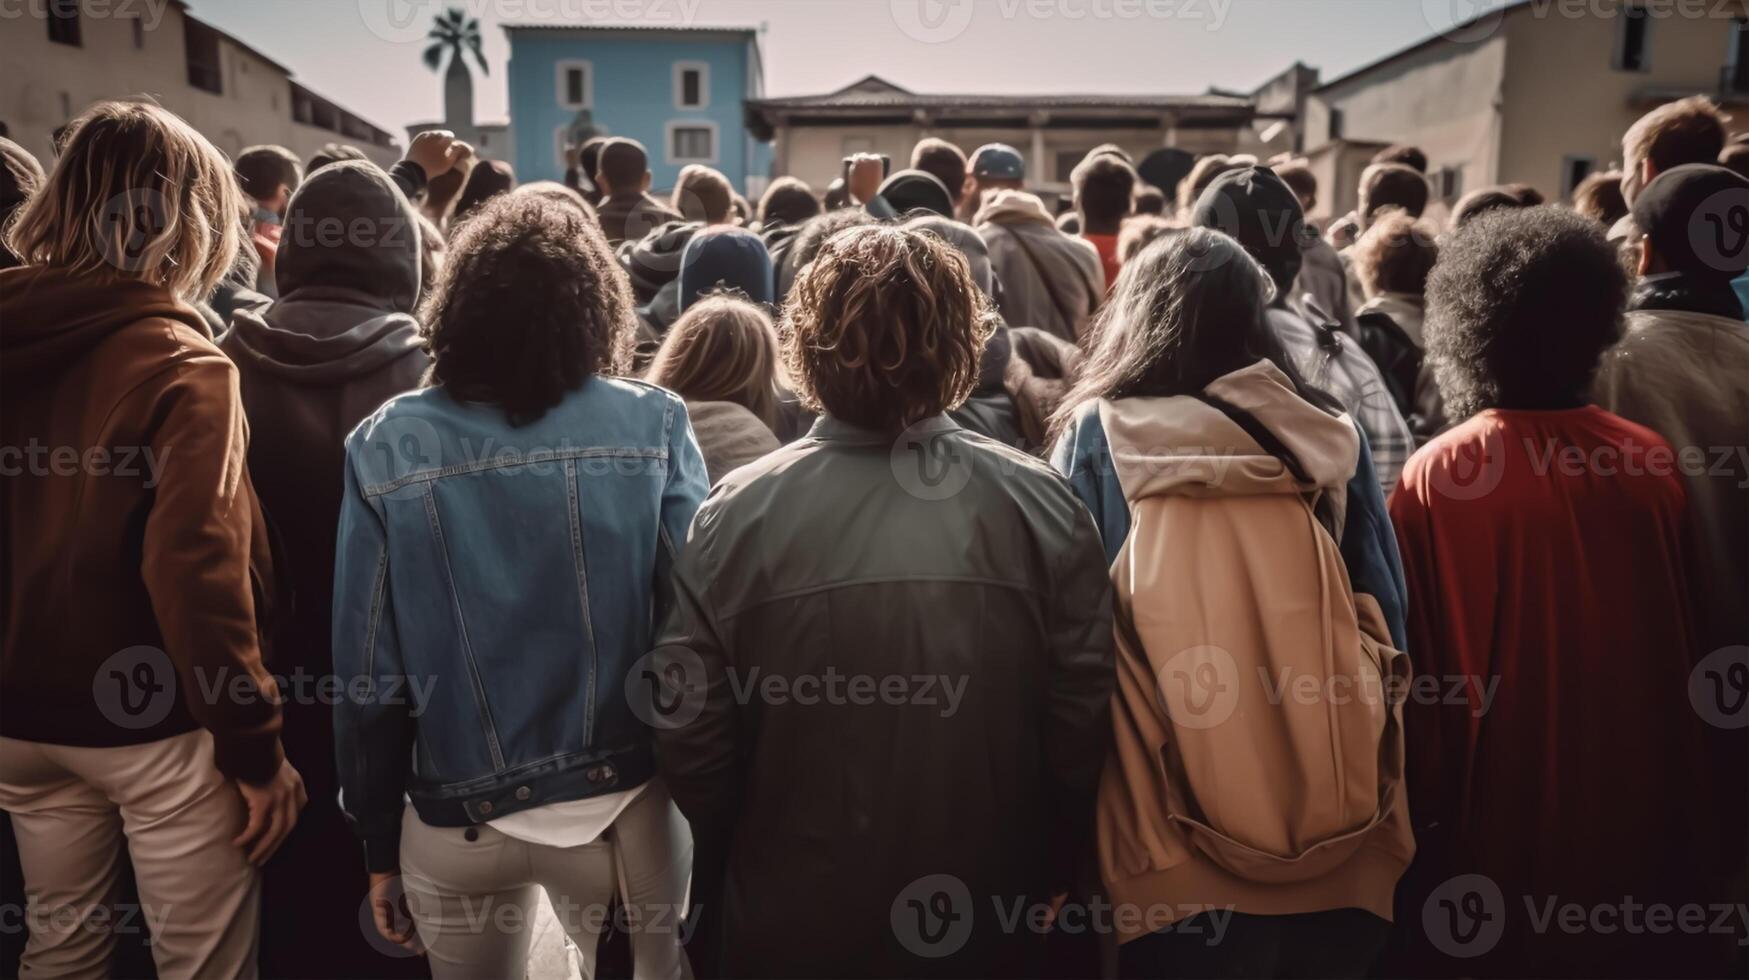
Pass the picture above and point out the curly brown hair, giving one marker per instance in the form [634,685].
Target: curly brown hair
[528,306]
[885,327]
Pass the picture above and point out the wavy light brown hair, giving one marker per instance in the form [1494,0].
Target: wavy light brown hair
[528,305]
[136,194]
[885,327]
[722,349]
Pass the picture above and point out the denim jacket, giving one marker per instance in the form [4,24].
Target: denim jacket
[1368,544]
[493,587]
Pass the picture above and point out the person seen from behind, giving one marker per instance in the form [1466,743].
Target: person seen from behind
[534,772]
[107,740]
[1549,600]
[995,587]
[1219,479]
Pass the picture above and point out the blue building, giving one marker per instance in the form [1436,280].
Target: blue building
[677,90]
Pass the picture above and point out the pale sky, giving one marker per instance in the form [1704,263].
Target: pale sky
[364,54]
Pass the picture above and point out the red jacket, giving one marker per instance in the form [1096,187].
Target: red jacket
[1552,747]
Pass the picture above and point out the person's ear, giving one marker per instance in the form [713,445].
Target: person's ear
[281,200]
[1646,259]
[1647,172]
[645,186]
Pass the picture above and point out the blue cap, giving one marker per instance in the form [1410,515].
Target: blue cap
[998,161]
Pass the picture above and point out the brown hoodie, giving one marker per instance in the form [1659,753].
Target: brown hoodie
[133,547]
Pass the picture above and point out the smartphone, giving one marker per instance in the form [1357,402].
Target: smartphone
[886,167]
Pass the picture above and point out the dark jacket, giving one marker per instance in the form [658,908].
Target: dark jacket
[1389,330]
[631,217]
[338,342]
[942,556]
[135,566]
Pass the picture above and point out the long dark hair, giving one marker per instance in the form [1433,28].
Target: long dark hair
[1190,307]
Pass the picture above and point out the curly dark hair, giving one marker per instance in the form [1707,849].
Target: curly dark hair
[528,305]
[1520,306]
[885,327]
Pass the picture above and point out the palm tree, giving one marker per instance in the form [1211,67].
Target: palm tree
[455,33]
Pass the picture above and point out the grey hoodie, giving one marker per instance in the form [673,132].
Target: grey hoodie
[1049,280]
[339,341]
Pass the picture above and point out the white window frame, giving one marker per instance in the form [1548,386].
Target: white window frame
[562,71]
[704,84]
[668,141]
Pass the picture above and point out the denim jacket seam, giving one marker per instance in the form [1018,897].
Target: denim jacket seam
[462,629]
[574,517]
[543,456]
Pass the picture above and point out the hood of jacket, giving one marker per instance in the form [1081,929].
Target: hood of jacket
[653,261]
[1186,446]
[348,226]
[49,318]
[321,335]
[1012,207]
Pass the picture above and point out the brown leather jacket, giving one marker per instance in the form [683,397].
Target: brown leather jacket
[133,554]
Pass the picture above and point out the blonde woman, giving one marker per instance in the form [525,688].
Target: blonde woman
[134,697]
[721,356]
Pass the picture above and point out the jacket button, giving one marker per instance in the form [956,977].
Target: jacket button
[522,793]
[607,772]
[486,807]
[594,774]
[471,834]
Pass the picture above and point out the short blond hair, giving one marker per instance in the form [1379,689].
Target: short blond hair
[136,194]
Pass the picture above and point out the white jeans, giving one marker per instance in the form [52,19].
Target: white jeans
[71,808]
[472,893]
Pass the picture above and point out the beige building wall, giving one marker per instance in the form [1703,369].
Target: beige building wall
[45,85]
[816,153]
[1443,97]
[1565,99]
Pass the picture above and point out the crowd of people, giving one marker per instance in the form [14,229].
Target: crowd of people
[898,578]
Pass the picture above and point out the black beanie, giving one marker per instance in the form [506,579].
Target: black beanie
[916,190]
[1258,209]
[1696,218]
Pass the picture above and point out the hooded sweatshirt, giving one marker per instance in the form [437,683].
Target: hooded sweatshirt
[135,565]
[339,341]
[1226,552]
[1049,280]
